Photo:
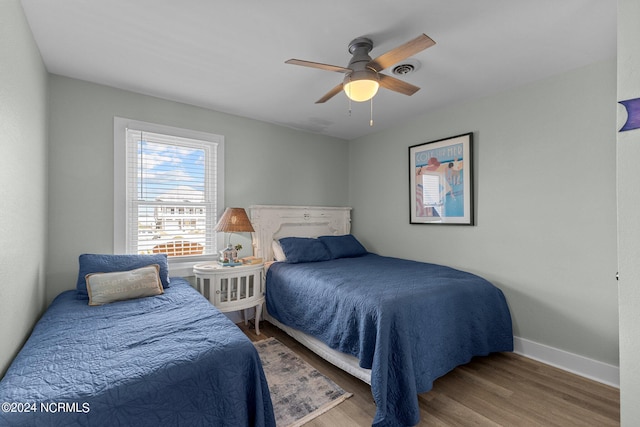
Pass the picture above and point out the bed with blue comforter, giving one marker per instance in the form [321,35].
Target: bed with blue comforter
[409,322]
[166,360]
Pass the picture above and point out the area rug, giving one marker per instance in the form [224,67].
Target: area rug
[298,391]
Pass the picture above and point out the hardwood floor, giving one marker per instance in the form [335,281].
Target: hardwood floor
[502,389]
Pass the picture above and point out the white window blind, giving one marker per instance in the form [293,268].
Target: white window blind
[171,194]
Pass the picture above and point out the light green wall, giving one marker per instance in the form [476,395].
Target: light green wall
[264,164]
[545,204]
[23,195]
[628,214]
[545,191]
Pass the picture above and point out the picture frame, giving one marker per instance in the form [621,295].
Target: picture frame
[441,181]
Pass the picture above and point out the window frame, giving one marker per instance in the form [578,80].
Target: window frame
[179,265]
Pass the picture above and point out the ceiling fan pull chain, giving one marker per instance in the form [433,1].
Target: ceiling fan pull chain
[349,107]
[371,119]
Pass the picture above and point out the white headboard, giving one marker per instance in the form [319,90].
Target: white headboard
[274,222]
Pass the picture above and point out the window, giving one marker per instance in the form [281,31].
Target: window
[168,190]
[432,194]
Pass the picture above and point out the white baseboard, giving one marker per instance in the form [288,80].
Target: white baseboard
[576,364]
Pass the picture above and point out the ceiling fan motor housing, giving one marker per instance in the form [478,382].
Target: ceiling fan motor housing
[360,49]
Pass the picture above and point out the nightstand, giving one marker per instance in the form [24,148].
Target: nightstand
[232,288]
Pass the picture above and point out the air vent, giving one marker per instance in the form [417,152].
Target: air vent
[407,67]
[402,69]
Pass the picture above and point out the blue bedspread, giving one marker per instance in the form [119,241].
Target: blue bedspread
[408,322]
[167,360]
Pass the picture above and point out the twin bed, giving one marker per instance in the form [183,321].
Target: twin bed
[171,359]
[174,359]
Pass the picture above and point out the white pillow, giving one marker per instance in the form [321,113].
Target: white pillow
[278,253]
[104,288]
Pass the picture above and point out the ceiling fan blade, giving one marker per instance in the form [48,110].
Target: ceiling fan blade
[396,85]
[319,65]
[333,92]
[402,52]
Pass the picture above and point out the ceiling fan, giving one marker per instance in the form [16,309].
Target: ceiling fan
[363,77]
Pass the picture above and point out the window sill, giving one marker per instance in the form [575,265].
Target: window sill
[183,266]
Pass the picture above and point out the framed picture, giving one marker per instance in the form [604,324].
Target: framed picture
[441,181]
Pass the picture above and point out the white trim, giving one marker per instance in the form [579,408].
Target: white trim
[120,125]
[574,363]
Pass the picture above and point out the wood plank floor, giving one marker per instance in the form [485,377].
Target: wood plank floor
[502,389]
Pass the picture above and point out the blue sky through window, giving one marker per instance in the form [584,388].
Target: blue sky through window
[170,172]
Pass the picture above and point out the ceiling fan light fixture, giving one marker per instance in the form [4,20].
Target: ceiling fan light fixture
[361,86]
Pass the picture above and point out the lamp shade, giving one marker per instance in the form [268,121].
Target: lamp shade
[234,220]
[361,85]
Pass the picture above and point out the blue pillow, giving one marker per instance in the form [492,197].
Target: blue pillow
[304,249]
[99,263]
[346,246]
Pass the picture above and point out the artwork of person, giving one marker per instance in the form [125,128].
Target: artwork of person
[450,173]
[456,172]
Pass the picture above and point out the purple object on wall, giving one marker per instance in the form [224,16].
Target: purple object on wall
[633,114]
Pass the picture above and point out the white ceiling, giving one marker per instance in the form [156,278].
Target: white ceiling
[229,55]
